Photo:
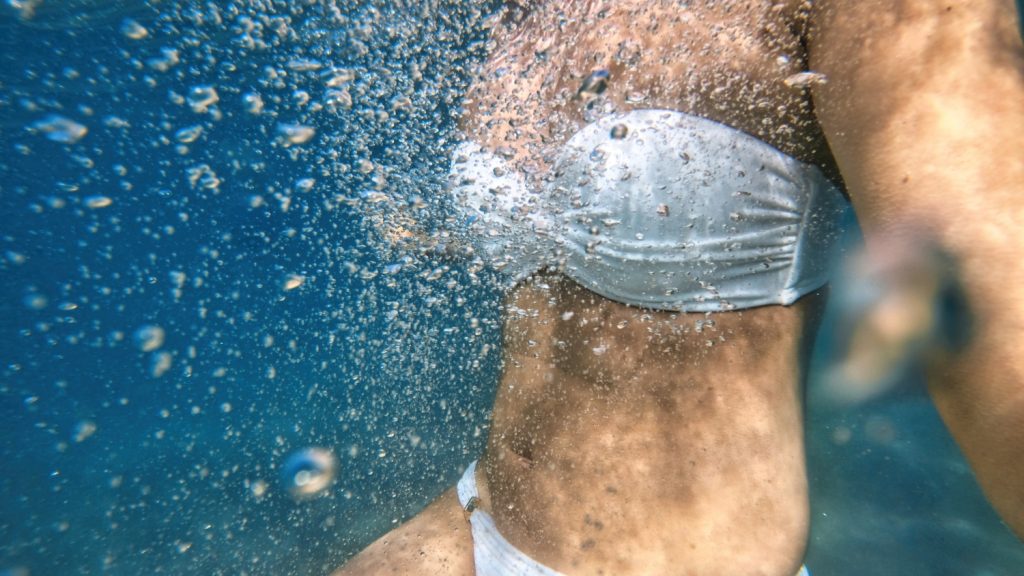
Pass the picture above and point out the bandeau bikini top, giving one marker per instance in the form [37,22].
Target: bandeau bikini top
[657,209]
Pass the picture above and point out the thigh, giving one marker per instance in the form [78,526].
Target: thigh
[437,541]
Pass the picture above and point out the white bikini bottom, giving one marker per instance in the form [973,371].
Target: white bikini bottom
[492,554]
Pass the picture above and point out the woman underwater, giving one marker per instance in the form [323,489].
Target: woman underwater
[655,178]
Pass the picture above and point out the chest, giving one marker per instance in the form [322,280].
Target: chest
[563,65]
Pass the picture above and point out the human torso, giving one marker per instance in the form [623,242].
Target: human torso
[632,441]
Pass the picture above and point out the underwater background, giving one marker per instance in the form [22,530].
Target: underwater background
[196,285]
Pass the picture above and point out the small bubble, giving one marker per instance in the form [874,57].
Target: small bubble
[189,134]
[149,338]
[337,77]
[133,29]
[296,133]
[60,129]
[258,488]
[303,65]
[593,85]
[364,166]
[83,430]
[200,98]
[252,102]
[401,103]
[35,301]
[619,131]
[338,98]
[807,79]
[95,202]
[160,364]
[168,58]
[292,282]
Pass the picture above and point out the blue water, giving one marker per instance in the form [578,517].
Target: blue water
[285,323]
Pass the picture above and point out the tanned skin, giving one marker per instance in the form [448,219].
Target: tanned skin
[630,441]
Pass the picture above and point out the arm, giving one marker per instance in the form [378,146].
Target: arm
[924,110]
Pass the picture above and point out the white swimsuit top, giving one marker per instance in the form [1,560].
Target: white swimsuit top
[658,209]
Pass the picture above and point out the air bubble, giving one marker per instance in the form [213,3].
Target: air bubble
[292,282]
[301,65]
[61,129]
[133,29]
[803,80]
[308,472]
[149,338]
[296,133]
[593,85]
[83,430]
[253,103]
[189,134]
[96,202]
[200,98]
[35,301]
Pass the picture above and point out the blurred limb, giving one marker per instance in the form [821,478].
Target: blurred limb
[897,311]
[924,109]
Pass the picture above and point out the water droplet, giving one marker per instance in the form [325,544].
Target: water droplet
[61,129]
[308,472]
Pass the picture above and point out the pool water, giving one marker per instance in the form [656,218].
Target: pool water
[203,311]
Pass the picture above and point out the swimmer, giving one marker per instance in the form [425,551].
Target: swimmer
[649,417]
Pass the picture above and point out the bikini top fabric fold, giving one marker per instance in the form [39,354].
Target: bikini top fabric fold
[657,209]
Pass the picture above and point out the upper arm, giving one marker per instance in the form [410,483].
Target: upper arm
[916,90]
[924,111]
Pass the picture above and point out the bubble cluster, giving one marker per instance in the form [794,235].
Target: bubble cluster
[221,237]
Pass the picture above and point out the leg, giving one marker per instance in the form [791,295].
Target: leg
[437,541]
